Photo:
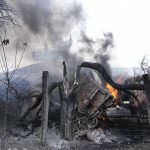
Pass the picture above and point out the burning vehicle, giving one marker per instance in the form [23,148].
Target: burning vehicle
[89,105]
[98,105]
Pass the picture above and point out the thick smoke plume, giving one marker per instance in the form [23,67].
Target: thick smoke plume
[99,49]
[54,17]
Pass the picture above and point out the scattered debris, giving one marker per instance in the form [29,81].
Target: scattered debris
[99,136]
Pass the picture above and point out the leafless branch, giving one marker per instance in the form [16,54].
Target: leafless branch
[7,14]
[143,68]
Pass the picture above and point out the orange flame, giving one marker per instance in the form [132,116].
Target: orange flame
[112,90]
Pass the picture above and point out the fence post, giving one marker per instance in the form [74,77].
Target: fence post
[147,92]
[63,112]
[45,107]
[70,117]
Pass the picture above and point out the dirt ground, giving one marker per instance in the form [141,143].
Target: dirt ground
[76,145]
[54,142]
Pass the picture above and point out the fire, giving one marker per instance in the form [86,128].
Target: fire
[112,90]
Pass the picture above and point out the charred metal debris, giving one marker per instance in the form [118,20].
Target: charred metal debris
[88,104]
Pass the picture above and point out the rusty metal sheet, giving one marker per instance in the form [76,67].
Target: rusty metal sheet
[90,96]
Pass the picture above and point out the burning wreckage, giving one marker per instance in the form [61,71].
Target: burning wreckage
[88,105]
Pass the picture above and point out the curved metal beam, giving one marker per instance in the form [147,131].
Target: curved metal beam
[98,67]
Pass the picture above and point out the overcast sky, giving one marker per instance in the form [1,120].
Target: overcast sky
[129,22]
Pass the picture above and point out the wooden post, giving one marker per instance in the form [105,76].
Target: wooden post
[67,107]
[63,111]
[70,117]
[45,107]
[147,92]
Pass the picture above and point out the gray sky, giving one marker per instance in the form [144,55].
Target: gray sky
[128,20]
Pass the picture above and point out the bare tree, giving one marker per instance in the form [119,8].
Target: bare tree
[7,14]
[144,67]
[8,76]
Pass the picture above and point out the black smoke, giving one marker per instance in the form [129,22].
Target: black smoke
[55,18]
[102,54]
